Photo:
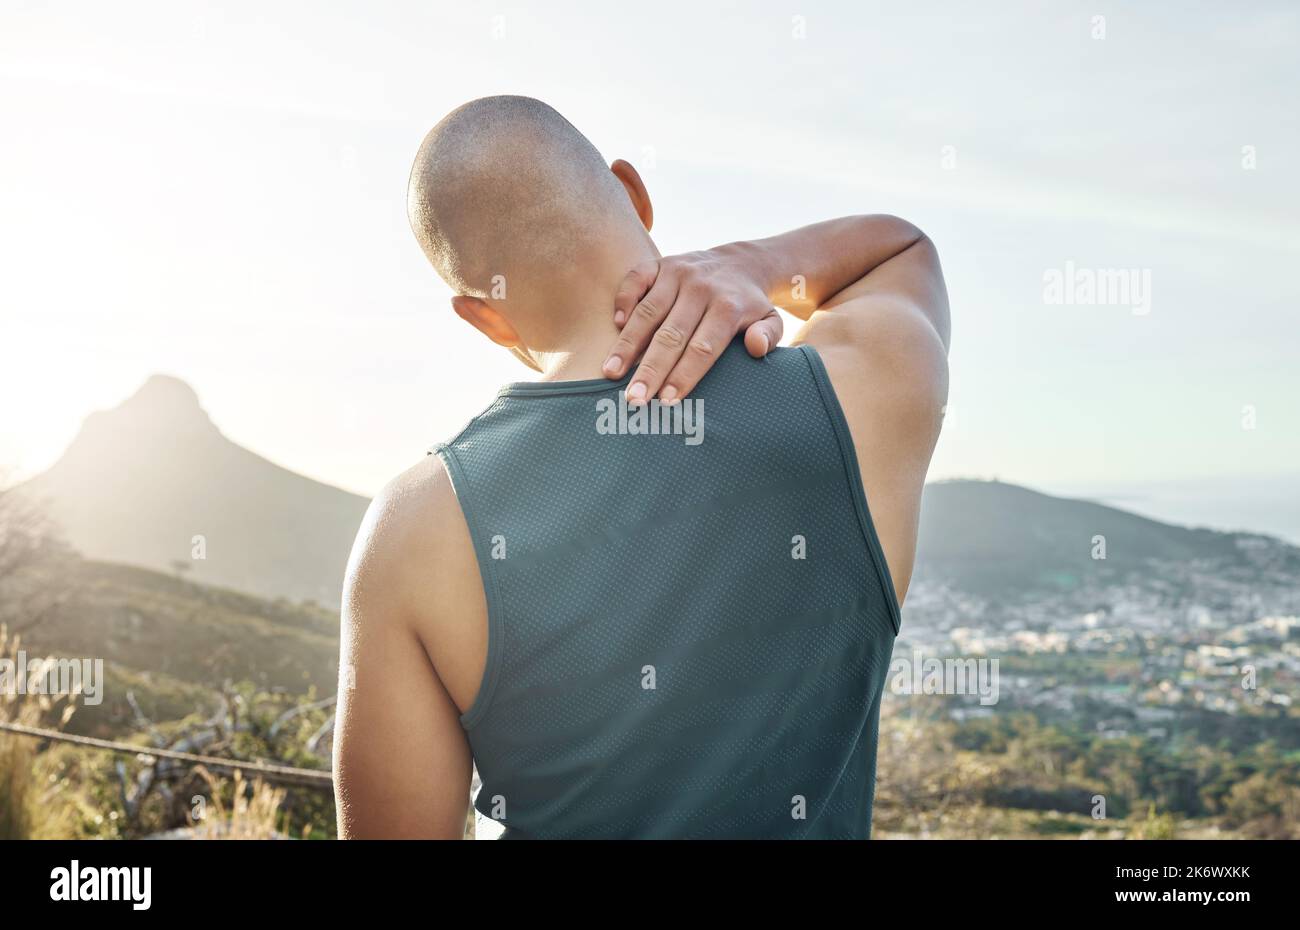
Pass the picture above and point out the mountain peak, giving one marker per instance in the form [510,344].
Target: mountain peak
[143,478]
[164,393]
[163,404]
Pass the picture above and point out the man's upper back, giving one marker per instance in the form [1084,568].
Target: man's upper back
[688,613]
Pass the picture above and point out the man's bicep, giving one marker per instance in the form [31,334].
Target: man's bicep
[401,759]
[885,340]
[909,283]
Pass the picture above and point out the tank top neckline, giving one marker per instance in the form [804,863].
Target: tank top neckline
[583,386]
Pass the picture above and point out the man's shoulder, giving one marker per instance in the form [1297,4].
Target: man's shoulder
[736,371]
[889,370]
[409,534]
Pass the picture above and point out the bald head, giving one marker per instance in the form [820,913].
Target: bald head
[506,186]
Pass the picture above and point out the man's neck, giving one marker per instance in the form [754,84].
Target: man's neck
[585,349]
[587,309]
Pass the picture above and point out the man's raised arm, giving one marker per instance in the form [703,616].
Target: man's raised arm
[682,311]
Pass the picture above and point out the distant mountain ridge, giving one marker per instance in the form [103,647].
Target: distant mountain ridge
[142,480]
[988,536]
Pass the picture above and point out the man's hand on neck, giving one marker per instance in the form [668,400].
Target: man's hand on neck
[684,310]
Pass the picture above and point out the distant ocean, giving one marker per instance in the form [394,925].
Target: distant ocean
[1269,505]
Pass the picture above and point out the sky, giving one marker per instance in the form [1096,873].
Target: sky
[217,191]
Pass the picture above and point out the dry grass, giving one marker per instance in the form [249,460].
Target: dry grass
[254,812]
[24,813]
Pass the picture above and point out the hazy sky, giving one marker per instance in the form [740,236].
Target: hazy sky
[217,191]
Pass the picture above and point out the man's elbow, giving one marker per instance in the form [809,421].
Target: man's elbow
[935,302]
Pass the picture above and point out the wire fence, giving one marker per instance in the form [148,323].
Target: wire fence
[279,774]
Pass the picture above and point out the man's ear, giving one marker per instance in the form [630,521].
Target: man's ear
[636,192]
[486,320]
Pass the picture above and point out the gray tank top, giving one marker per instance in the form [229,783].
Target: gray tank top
[690,618]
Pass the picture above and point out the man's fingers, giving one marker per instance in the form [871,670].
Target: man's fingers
[678,315]
[666,347]
[643,318]
[633,287]
[714,334]
[763,336]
